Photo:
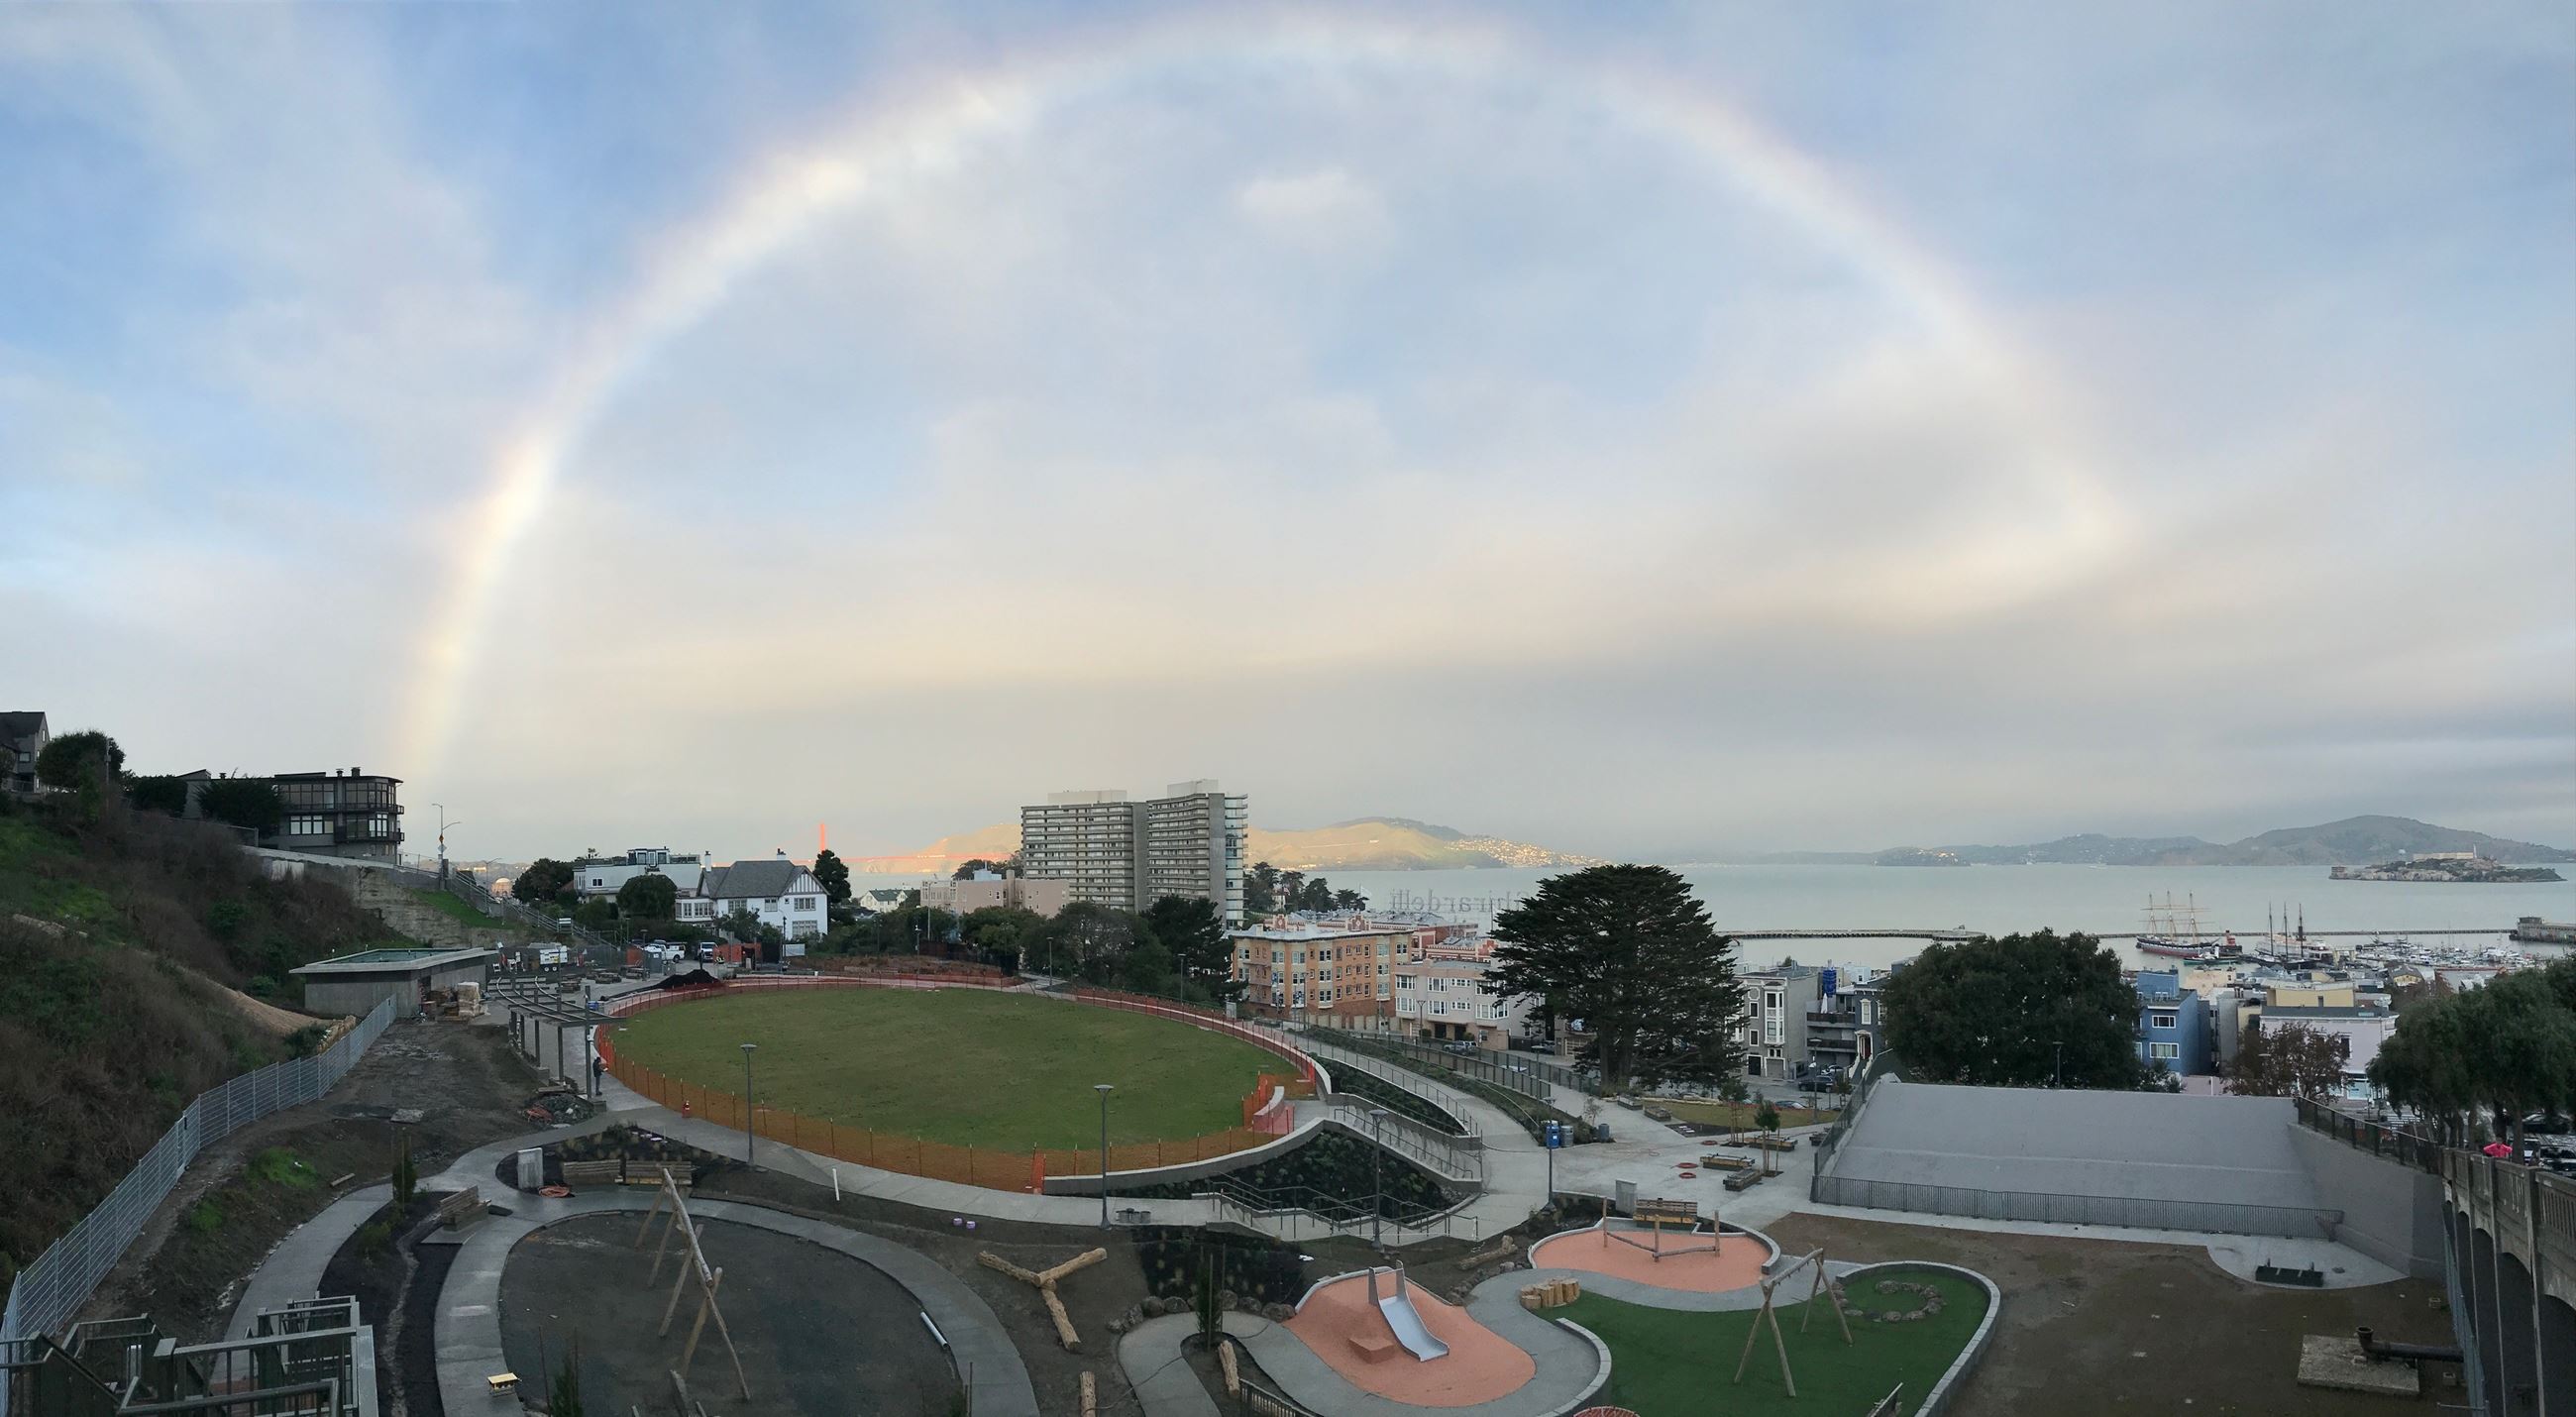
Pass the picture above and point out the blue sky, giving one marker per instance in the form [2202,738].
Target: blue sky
[1699,426]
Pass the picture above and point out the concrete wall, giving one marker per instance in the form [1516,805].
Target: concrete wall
[2392,1212]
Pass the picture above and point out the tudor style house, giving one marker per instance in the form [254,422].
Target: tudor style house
[777,891]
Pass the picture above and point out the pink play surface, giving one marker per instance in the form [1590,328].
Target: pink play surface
[1736,1262]
[1482,1365]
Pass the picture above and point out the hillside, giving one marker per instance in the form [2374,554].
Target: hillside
[131,944]
[1361,844]
[2354,841]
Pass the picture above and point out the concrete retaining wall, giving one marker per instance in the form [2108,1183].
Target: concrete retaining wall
[2392,1212]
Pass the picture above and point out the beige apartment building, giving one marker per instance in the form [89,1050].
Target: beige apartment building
[1339,975]
[985,890]
[1127,855]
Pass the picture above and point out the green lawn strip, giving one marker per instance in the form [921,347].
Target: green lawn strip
[1672,1363]
[450,905]
[958,1066]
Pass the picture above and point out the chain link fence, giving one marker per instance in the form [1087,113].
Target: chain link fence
[2131,1212]
[51,1290]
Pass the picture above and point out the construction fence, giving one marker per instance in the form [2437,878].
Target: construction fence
[52,1289]
[943,1161]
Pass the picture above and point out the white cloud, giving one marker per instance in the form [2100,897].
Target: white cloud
[1323,210]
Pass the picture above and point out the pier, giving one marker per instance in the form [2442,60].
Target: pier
[1957,936]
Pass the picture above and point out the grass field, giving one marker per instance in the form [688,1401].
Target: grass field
[1671,1363]
[447,904]
[958,1065]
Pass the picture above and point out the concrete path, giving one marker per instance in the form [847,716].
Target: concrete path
[293,1270]
[470,1350]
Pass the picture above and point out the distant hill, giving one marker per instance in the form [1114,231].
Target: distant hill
[1361,844]
[2354,841]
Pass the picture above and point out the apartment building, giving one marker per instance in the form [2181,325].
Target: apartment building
[1846,1022]
[1314,972]
[2174,1024]
[1773,1030]
[1126,855]
[23,735]
[1443,993]
[987,889]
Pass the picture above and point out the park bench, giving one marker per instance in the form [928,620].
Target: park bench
[1743,1180]
[1660,1213]
[593,1173]
[1722,1162]
[460,1208]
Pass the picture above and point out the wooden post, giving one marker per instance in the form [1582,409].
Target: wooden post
[679,1278]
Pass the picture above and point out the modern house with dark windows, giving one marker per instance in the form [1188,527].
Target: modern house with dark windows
[1846,1021]
[330,813]
[2173,1024]
[22,737]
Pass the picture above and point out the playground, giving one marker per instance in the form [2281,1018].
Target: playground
[1670,1362]
[1394,1340]
[972,1068]
[1689,1261]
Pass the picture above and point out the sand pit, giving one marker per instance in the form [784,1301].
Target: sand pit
[1736,1262]
[1482,1365]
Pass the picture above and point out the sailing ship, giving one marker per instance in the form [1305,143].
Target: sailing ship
[2175,931]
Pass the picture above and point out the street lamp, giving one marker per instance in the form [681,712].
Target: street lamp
[443,825]
[746,1102]
[1103,1089]
[2060,1046]
[1377,1178]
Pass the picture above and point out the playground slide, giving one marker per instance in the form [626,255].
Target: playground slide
[1407,1324]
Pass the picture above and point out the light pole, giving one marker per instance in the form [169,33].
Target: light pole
[746,1102]
[1103,1089]
[443,825]
[2060,1046]
[1377,1178]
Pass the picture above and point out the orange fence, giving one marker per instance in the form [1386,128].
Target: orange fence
[915,1156]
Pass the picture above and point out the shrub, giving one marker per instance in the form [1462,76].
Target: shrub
[375,1239]
[205,1217]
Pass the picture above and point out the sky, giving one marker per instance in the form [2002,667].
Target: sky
[1644,430]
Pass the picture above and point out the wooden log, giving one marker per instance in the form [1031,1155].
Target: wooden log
[1090,1396]
[1233,1374]
[1081,1261]
[1064,1331]
[989,1260]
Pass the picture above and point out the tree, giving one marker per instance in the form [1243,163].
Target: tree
[70,763]
[1001,933]
[243,801]
[1261,889]
[2289,1060]
[563,1394]
[1767,1117]
[969,868]
[543,879]
[1315,895]
[1292,890]
[650,896]
[1630,951]
[2016,1011]
[2507,1048]
[834,875]
[160,794]
[1088,939]
[406,1177]
[1146,968]
[1351,901]
[1193,932]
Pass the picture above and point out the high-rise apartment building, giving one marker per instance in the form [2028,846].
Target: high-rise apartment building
[1126,855]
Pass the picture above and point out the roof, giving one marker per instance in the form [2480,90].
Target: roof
[21,723]
[394,961]
[749,880]
[2295,1012]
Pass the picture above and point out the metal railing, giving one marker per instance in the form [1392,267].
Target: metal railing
[49,1291]
[2376,1138]
[1444,1156]
[2050,1207]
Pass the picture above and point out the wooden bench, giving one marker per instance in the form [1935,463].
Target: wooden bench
[1743,1180]
[593,1173]
[1660,1213]
[461,1207]
[1718,1161]
[503,1383]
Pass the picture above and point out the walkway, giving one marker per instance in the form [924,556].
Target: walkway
[293,1271]
[469,1306]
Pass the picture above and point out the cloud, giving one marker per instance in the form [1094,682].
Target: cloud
[1323,210]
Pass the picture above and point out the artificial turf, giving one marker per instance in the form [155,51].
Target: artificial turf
[963,1066]
[1676,1363]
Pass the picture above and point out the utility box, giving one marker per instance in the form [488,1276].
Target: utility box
[1623,1197]
[532,1171]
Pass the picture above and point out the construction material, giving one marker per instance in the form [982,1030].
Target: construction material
[1551,1294]
[462,1208]
[593,1173]
[1045,1281]
[1233,1370]
[1090,1396]
[695,1261]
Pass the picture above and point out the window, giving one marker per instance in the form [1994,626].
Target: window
[2161,1018]
[2164,1050]
[1867,1011]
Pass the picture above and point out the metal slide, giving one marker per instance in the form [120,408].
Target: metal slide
[1406,1322]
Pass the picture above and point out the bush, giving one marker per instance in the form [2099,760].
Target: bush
[160,794]
[375,1239]
[205,1217]
[306,1041]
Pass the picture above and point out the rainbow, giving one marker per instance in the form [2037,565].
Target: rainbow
[693,268]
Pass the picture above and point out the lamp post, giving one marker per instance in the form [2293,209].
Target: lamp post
[2060,1080]
[1103,1089]
[746,1102]
[443,825]
[1377,1178]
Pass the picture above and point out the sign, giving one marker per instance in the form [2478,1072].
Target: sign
[1827,980]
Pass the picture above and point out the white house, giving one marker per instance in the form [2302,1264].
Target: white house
[604,876]
[778,891]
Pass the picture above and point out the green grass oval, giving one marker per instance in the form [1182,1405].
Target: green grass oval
[962,1066]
